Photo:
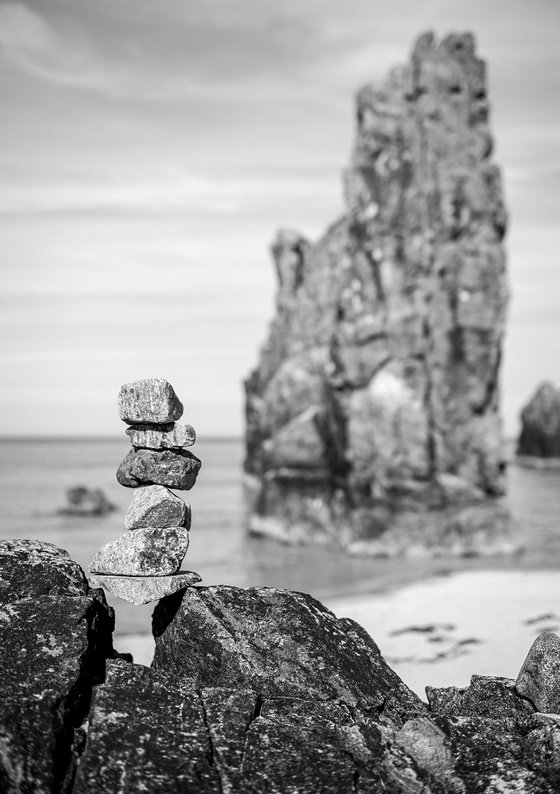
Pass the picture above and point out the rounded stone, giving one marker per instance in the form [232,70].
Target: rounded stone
[156,506]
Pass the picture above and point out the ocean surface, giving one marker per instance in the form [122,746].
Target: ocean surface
[35,473]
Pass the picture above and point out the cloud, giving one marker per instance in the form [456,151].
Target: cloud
[30,42]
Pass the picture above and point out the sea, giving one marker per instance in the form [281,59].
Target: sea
[35,474]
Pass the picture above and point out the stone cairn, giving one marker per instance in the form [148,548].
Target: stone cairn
[143,564]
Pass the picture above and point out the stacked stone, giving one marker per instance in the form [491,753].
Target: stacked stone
[143,564]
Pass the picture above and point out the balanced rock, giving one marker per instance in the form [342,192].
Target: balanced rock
[380,374]
[143,589]
[144,552]
[149,401]
[171,436]
[156,506]
[539,677]
[540,424]
[173,468]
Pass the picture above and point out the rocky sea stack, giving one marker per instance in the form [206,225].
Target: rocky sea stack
[373,415]
[251,691]
[540,426]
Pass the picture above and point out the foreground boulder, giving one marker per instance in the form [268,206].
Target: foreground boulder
[251,691]
[373,416]
[540,424]
[55,635]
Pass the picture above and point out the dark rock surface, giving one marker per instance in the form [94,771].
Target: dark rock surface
[83,501]
[53,644]
[375,402]
[172,468]
[268,639]
[251,691]
[149,401]
[539,677]
[540,424]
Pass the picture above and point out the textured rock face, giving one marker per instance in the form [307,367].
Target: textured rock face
[155,506]
[375,402]
[175,469]
[55,635]
[143,552]
[169,436]
[257,690]
[292,646]
[540,424]
[539,678]
[143,589]
[149,401]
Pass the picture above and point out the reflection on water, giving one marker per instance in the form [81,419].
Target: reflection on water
[35,474]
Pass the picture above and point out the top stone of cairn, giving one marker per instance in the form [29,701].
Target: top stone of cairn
[149,401]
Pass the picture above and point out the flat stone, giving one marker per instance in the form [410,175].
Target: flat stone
[171,436]
[149,401]
[155,506]
[175,469]
[539,677]
[143,589]
[150,551]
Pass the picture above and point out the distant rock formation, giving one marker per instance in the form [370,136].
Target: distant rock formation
[84,501]
[540,424]
[375,402]
[251,690]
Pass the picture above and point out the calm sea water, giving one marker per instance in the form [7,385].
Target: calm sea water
[34,475]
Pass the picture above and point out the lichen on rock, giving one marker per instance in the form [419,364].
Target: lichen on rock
[375,402]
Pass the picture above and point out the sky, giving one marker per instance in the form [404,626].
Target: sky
[150,149]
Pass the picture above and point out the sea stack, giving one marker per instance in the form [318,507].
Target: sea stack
[143,564]
[373,415]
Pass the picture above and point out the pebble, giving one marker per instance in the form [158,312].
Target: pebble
[177,436]
[144,552]
[175,469]
[539,677]
[155,506]
[143,589]
[149,401]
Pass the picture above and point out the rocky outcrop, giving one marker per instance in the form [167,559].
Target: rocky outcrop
[251,691]
[373,414]
[540,424]
[55,635]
